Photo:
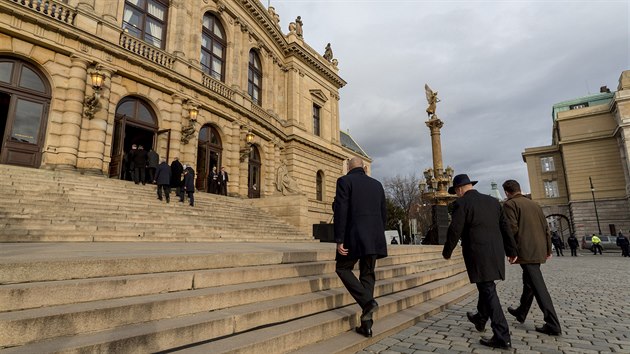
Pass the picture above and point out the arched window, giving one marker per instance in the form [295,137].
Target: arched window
[254,77]
[319,186]
[146,19]
[213,45]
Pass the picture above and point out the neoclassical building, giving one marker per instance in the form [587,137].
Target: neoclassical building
[211,82]
[582,180]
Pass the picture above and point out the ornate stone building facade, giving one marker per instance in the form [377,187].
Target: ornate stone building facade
[590,142]
[212,82]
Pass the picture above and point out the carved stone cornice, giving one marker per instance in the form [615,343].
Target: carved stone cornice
[298,51]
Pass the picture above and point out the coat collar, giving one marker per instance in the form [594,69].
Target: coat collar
[516,196]
[357,170]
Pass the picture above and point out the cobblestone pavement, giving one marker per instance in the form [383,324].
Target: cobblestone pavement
[591,295]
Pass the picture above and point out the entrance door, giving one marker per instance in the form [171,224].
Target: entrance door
[135,124]
[208,155]
[24,102]
[253,177]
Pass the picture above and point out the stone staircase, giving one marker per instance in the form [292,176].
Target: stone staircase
[199,298]
[42,205]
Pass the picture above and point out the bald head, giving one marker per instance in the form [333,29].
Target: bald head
[354,163]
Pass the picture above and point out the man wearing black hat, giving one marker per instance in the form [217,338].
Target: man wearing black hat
[486,239]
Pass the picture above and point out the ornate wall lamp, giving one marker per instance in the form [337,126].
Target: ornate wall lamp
[188,132]
[249,140]
[91,104]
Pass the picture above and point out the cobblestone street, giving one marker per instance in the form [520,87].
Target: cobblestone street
[591,295]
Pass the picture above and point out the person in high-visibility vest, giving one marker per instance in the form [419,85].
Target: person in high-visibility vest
[597,245]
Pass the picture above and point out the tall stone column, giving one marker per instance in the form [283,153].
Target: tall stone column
[176,129]
[435,124]
[294,97]
[94,133]
[71,119]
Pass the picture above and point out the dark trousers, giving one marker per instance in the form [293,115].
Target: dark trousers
[625,251]
[559,251]
[534,287]
[191,197]
[139,175]
[574,251]
[362,289]
[489,307]
[595,248]
[151,171]
[167,191]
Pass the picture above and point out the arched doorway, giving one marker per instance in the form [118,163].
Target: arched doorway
[208,155]
[24,101]
[560,224]
[253,176]
[135,123]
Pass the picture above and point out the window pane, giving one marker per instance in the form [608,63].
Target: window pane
[144,114]
[5,71]
[153,32]
[133,17]
[126,108]
[217,30]
[156,10]
[203,134]
[217,50]
[214,138]
[205,41]
[256,80]
[217,65]
[28,116]
[207,22]
[30,80]
[133,31]
[139,3]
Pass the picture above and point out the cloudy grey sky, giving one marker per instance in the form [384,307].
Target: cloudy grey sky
[498,66]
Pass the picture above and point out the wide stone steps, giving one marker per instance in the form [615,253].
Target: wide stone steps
[164,299]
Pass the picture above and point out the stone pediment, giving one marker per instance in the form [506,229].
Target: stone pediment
[319,94]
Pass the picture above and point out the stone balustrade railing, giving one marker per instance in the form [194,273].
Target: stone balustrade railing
[145,50]
[218,87]
[262,113]
[50,8]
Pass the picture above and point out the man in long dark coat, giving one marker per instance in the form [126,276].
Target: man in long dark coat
[360,217]
[477,220]
[529,227]
[176,176]
[140,165]
[153,160]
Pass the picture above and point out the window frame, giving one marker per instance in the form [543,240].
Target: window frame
[551,189]
[252,72]
[547,164]
[213,38]
[319,186]
[317,119]
[145,16]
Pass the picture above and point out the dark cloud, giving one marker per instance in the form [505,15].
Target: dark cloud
[499,66]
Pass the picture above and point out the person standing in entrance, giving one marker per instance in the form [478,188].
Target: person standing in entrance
[140,165]
[360,217]
[528,224]
[478,222]
[223,181]
[176,176]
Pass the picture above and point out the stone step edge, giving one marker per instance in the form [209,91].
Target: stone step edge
[350,342]
[149,333]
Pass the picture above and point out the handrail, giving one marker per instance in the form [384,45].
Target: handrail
[50,8]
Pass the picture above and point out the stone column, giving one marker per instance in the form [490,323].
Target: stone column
[294,97]
[71,119]
[94,133]
[176,122]
[335,118]
[435,124]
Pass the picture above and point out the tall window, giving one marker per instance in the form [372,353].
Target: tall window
[319,186]
[146,19]
[213,45]
[254,77]
[551,189]
[316,119]
[547,164]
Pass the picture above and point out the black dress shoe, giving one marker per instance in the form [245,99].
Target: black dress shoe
[368,310]
[474,319]
[494,343]
[365,329]
[514,312]
[547,330]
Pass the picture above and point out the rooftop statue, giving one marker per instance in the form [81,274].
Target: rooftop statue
[432,99]
[328,54]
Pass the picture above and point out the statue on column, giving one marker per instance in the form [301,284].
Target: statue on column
[328,54]
[432,99]
[298,26]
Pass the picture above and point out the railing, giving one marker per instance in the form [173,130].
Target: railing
[262,113]
[218,87]
[146,50]
[50,8]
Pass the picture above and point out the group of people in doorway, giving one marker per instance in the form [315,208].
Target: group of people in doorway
[488,232]
[217,181]
[140,165]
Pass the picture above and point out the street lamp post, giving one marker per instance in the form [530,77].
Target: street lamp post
[595,204]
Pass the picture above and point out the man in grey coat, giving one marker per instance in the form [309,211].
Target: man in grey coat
[360,217]
[477,220]
[531,232]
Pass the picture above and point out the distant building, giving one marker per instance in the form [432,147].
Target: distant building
[590,138]
[352,149]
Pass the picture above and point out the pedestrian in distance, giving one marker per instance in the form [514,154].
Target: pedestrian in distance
[624,244]
[163,180]
[573,244]
[140,165]
[360,217]
[596,245]
[177,171]
[188,186]
[528,225]
[485,240]
[557,243]
[153,160]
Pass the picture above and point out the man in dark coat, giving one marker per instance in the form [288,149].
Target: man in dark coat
[223,181]
[163,180]
[213,181]
[153,159]
[188,186]
[477,220]
[360,217]
[529,227]
[622,242]
[573,244]
[128,163]
[176,176]
[557,243]
[140,165]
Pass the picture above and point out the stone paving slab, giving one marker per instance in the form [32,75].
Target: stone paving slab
[591,295]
